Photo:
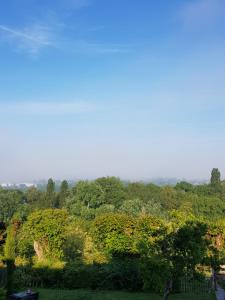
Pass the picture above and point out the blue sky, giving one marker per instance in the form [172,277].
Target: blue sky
[131,88]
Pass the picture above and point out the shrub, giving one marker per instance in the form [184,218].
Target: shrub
[2,294]
[115,234]
[155,274]
[47,229]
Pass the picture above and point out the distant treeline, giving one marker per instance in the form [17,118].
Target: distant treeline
[88,199]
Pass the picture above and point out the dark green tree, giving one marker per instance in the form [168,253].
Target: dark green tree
[34,198]
[179,252]
[10,268]
[50,198]
[184,186]
[63,193]
[10,203]
[215,180]
[50,187]
[215,177]
[2,233]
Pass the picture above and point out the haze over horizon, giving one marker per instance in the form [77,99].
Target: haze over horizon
[93,88]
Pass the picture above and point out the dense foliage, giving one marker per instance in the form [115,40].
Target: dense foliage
[110,234]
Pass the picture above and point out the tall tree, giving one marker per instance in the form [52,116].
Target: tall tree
[215,177]
[34,197]
[215,180]
[2,233]
[64,188]
[10,243]
[50,194]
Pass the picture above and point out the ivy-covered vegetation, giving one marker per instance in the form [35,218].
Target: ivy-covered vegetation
[107,234]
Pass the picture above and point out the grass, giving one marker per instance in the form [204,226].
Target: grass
[46,294]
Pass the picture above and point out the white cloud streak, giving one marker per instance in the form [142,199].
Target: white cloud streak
[46,108]
[32,40]
[53,32]
[29,39]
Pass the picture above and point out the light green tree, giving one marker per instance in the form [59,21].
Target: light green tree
[46,230]
[10,243]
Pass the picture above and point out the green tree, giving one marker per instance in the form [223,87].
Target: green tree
[63,193]
[169,198]
[88,193]
[180,251]
[184,186]
[132,207]
[114,190]
[215,180]
[216,238]
[114,233]
[208,207]
[136,207]
[104,209]
[10,243]
[144,192]
[34,197]
[10,203]
[2,233]
[215,177]
[50,194]
[46,230]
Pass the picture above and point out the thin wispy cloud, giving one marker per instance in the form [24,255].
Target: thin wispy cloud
[53,30]
[29,39]
[32,40]
[41,108]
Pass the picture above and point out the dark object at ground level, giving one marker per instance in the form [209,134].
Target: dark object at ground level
[25,296]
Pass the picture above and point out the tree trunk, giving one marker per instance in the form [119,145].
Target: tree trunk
[168,289]
[38,250]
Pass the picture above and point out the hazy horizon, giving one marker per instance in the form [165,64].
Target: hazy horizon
[93,88]
[157,180]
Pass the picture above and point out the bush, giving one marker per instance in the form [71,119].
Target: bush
[123,274]
[46,228]
[84,297]
[76,276]
[28,276]
[155,274]
[114,233]
[2,294]
[119,274]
